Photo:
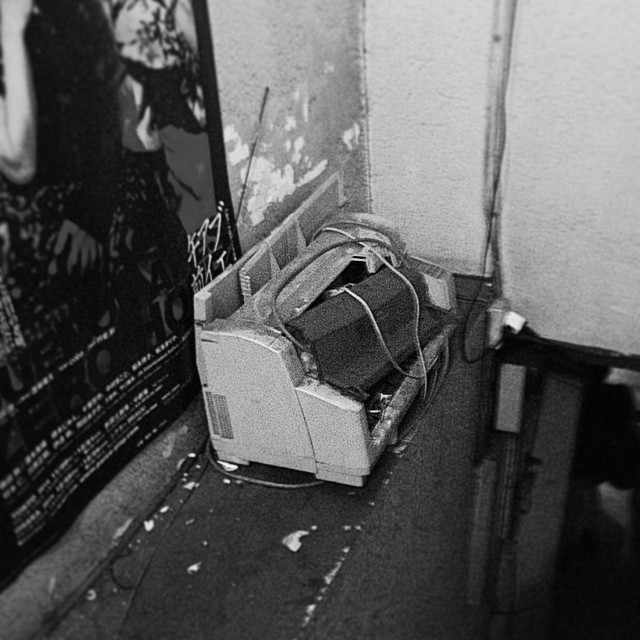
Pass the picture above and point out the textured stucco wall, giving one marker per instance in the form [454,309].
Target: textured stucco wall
[571,231]
[309,54]
[427,66]
[571,226]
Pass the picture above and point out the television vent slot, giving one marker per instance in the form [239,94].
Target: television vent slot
[219,412]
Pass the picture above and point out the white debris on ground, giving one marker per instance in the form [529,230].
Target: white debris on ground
[194,568]
[293,540]
[228,466]
[148,525]
[120,531]
[399,448]
[190,485]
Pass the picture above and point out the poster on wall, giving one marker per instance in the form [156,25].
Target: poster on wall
[109,221]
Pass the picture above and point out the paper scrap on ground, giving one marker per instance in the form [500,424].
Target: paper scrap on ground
[91,595]
[399,448]
[190,485]
[194,568]
[148,525]
[228,466]
[292,541]
[121,530]
[164,509]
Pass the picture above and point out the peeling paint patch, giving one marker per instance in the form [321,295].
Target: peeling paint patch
[237,151]
[314,173]
[269,185]
[297,148]
[351,136]
[238,154]
[290,123]
[329,67]
[230,133]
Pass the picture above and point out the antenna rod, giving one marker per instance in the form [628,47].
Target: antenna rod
[253,149]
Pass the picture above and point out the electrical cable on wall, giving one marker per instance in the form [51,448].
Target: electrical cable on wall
[495,144]
[496,130]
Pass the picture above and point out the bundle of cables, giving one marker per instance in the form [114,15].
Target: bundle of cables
[376,246]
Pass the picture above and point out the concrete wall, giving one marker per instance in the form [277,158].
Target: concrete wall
[310,56]
[571,218]
[427,66]
[571,233]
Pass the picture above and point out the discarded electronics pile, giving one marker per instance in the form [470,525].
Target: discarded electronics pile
[312,348]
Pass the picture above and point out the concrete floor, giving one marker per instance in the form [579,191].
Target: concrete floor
[388,561]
